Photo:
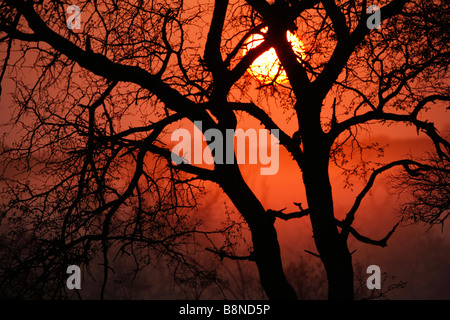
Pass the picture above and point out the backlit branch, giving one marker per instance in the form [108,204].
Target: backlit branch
[261,6]
[202,173]
[364,239]
[347,45]
[338,19]
[269,124]
[346,224]
[442,146]
[213,57]
[287,216]
[222,254]
[102,66]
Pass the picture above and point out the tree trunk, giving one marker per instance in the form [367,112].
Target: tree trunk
[331,247]
[266,248]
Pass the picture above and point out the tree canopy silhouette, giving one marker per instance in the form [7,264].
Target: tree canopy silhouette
[91,171]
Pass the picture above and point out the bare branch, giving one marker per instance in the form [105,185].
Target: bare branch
[102,66]
[351,214]
[364,239]
[313,254]
[222,254]
[268,122]
[346,46]
[425,126]
[287,216]
[338,19]
[213,57]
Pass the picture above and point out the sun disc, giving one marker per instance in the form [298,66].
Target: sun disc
[267,67]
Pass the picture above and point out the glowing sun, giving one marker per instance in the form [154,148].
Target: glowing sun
[267,68]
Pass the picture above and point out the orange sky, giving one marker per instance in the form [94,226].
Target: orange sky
[420,258]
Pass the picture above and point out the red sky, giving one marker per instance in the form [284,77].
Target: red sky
[413,254]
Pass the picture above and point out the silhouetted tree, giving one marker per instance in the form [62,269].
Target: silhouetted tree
[91,108]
